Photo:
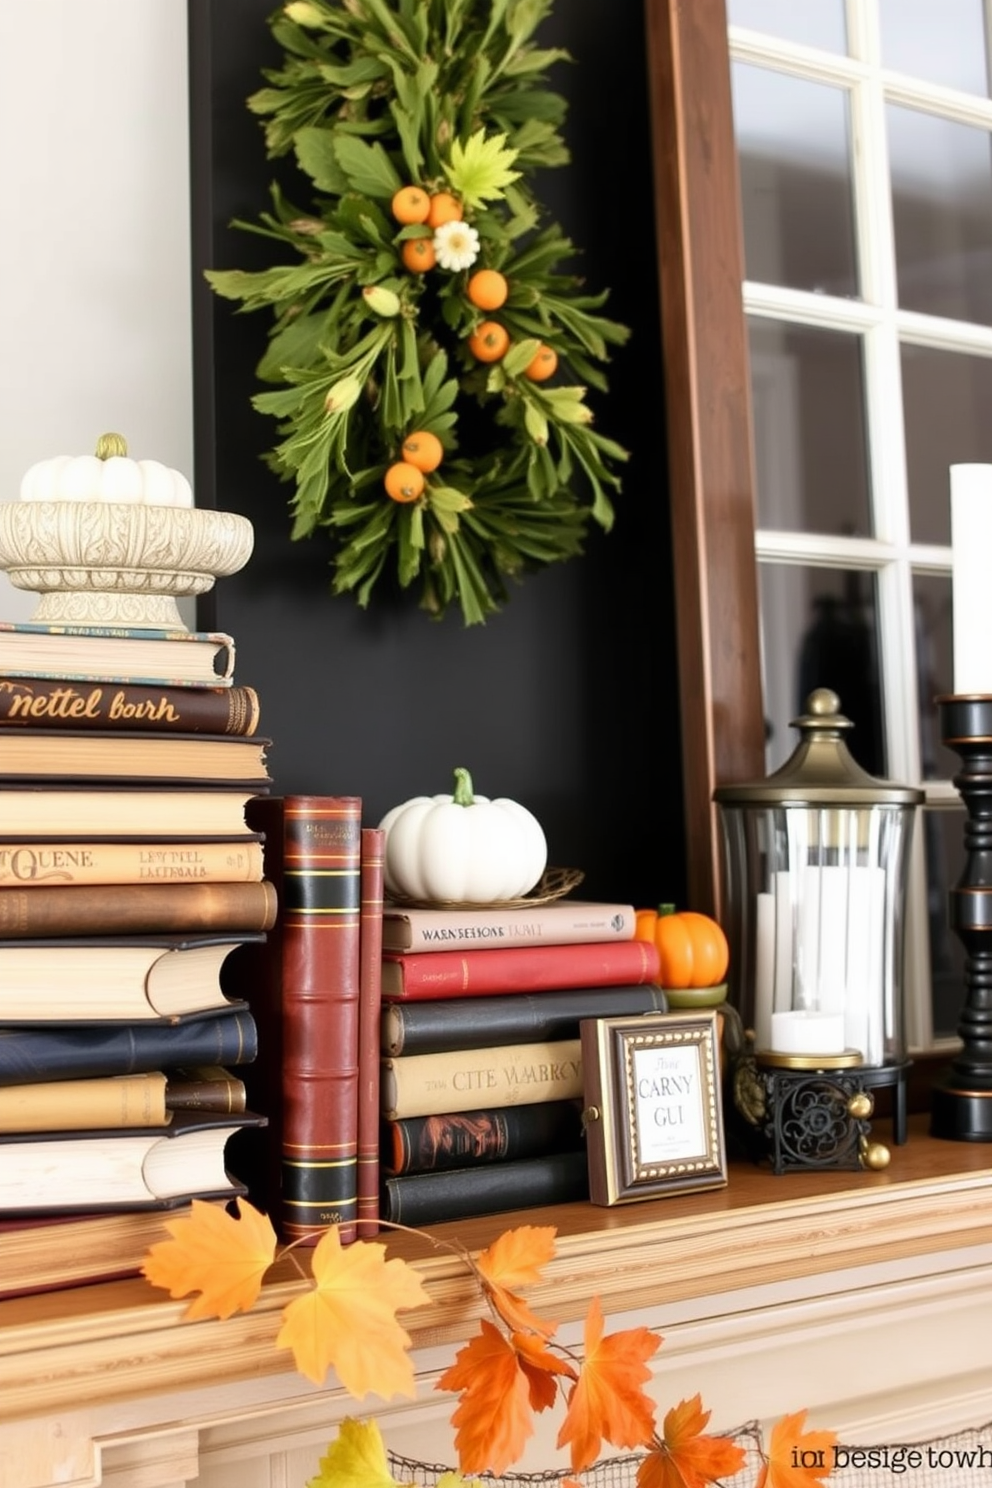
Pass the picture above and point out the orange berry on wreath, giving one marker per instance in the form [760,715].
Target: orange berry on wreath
[411,204]
[543,364]
[423,450]
[489,341]
[418,255]
[443,208]
[487,289]
[404,482]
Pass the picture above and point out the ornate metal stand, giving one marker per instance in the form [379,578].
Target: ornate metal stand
[815,1118]
[961,1109]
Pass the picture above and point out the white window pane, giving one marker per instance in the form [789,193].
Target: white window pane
[940,41]
[942,215]
[820,629]
[817,23]
[809,429]
[934,669]
[947,403]
[794,151]
[943,839]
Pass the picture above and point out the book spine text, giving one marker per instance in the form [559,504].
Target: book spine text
[48,703]
[522,1074]
[38,864]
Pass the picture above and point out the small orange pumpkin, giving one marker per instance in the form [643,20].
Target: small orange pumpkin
[692,947]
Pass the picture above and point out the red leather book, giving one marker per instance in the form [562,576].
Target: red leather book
[369,1011]
[313,856]
[541,968]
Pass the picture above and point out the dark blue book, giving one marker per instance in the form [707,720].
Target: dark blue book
[31,1055]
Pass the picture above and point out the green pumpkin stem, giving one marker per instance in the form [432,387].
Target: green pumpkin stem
[462,795]
[109,445]
[666,909]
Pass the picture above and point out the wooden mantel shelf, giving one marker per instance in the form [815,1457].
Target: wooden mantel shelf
[122,1340]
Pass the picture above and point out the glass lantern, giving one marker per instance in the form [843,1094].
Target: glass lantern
[817,859]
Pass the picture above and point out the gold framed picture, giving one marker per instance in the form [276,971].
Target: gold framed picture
[653,1114]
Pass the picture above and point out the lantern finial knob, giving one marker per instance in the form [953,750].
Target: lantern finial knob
[822,702]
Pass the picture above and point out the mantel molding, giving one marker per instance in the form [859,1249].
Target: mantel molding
[121,1340]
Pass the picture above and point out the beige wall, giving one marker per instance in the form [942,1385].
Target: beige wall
[94,260]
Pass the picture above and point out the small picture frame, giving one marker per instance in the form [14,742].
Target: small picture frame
[652,1113]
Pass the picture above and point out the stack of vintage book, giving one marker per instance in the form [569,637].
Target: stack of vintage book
[128,876]
[481,1078]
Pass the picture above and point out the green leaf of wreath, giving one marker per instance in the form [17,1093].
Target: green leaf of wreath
[373,96]
[368,168]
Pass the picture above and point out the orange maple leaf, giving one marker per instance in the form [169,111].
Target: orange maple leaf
[494,1418]
[211,1252]
[516,1259]
[542,1368]
[797,1458]
[686,1458]
[347,1321]
[607,1400]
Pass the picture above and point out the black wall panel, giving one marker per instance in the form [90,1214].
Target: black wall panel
[567,700]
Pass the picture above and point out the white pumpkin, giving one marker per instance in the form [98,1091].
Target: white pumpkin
[462,848]
[106,476]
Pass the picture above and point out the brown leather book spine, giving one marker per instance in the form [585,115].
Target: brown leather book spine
[369,1012]
[42,702]
[317,841]
[135,909]
[205,1088]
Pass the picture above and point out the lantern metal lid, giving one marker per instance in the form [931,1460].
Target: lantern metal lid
[821,770]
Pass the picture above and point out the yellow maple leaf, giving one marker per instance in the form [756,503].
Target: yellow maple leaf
[686,1458]
[607,1399]
[480,168]
[356,1458]
[215,1254]
[493,1418]
[797,1458]
[347,1321]
[516,1258]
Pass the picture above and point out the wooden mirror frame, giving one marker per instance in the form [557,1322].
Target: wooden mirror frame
[708,408]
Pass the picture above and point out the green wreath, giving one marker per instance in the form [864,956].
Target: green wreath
[430,355]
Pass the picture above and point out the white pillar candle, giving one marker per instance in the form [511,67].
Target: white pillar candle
[764,969]
[863,1008]
[971,555]
[782,888]
[803,1032]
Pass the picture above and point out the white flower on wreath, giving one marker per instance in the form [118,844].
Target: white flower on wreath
[456,246]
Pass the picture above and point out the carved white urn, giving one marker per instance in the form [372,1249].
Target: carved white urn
[106,540]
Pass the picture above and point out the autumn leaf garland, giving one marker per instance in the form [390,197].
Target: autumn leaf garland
[419,125]
[509,1372]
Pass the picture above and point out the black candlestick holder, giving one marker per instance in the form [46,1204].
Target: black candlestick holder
[961,1107]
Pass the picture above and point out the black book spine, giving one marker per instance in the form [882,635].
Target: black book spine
[426,1144]
[463,1193]
[435,1027]
[30,1055]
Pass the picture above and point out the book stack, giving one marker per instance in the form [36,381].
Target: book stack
[128,877]
[481,1079]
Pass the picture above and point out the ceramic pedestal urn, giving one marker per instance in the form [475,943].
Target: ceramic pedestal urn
[107,540]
